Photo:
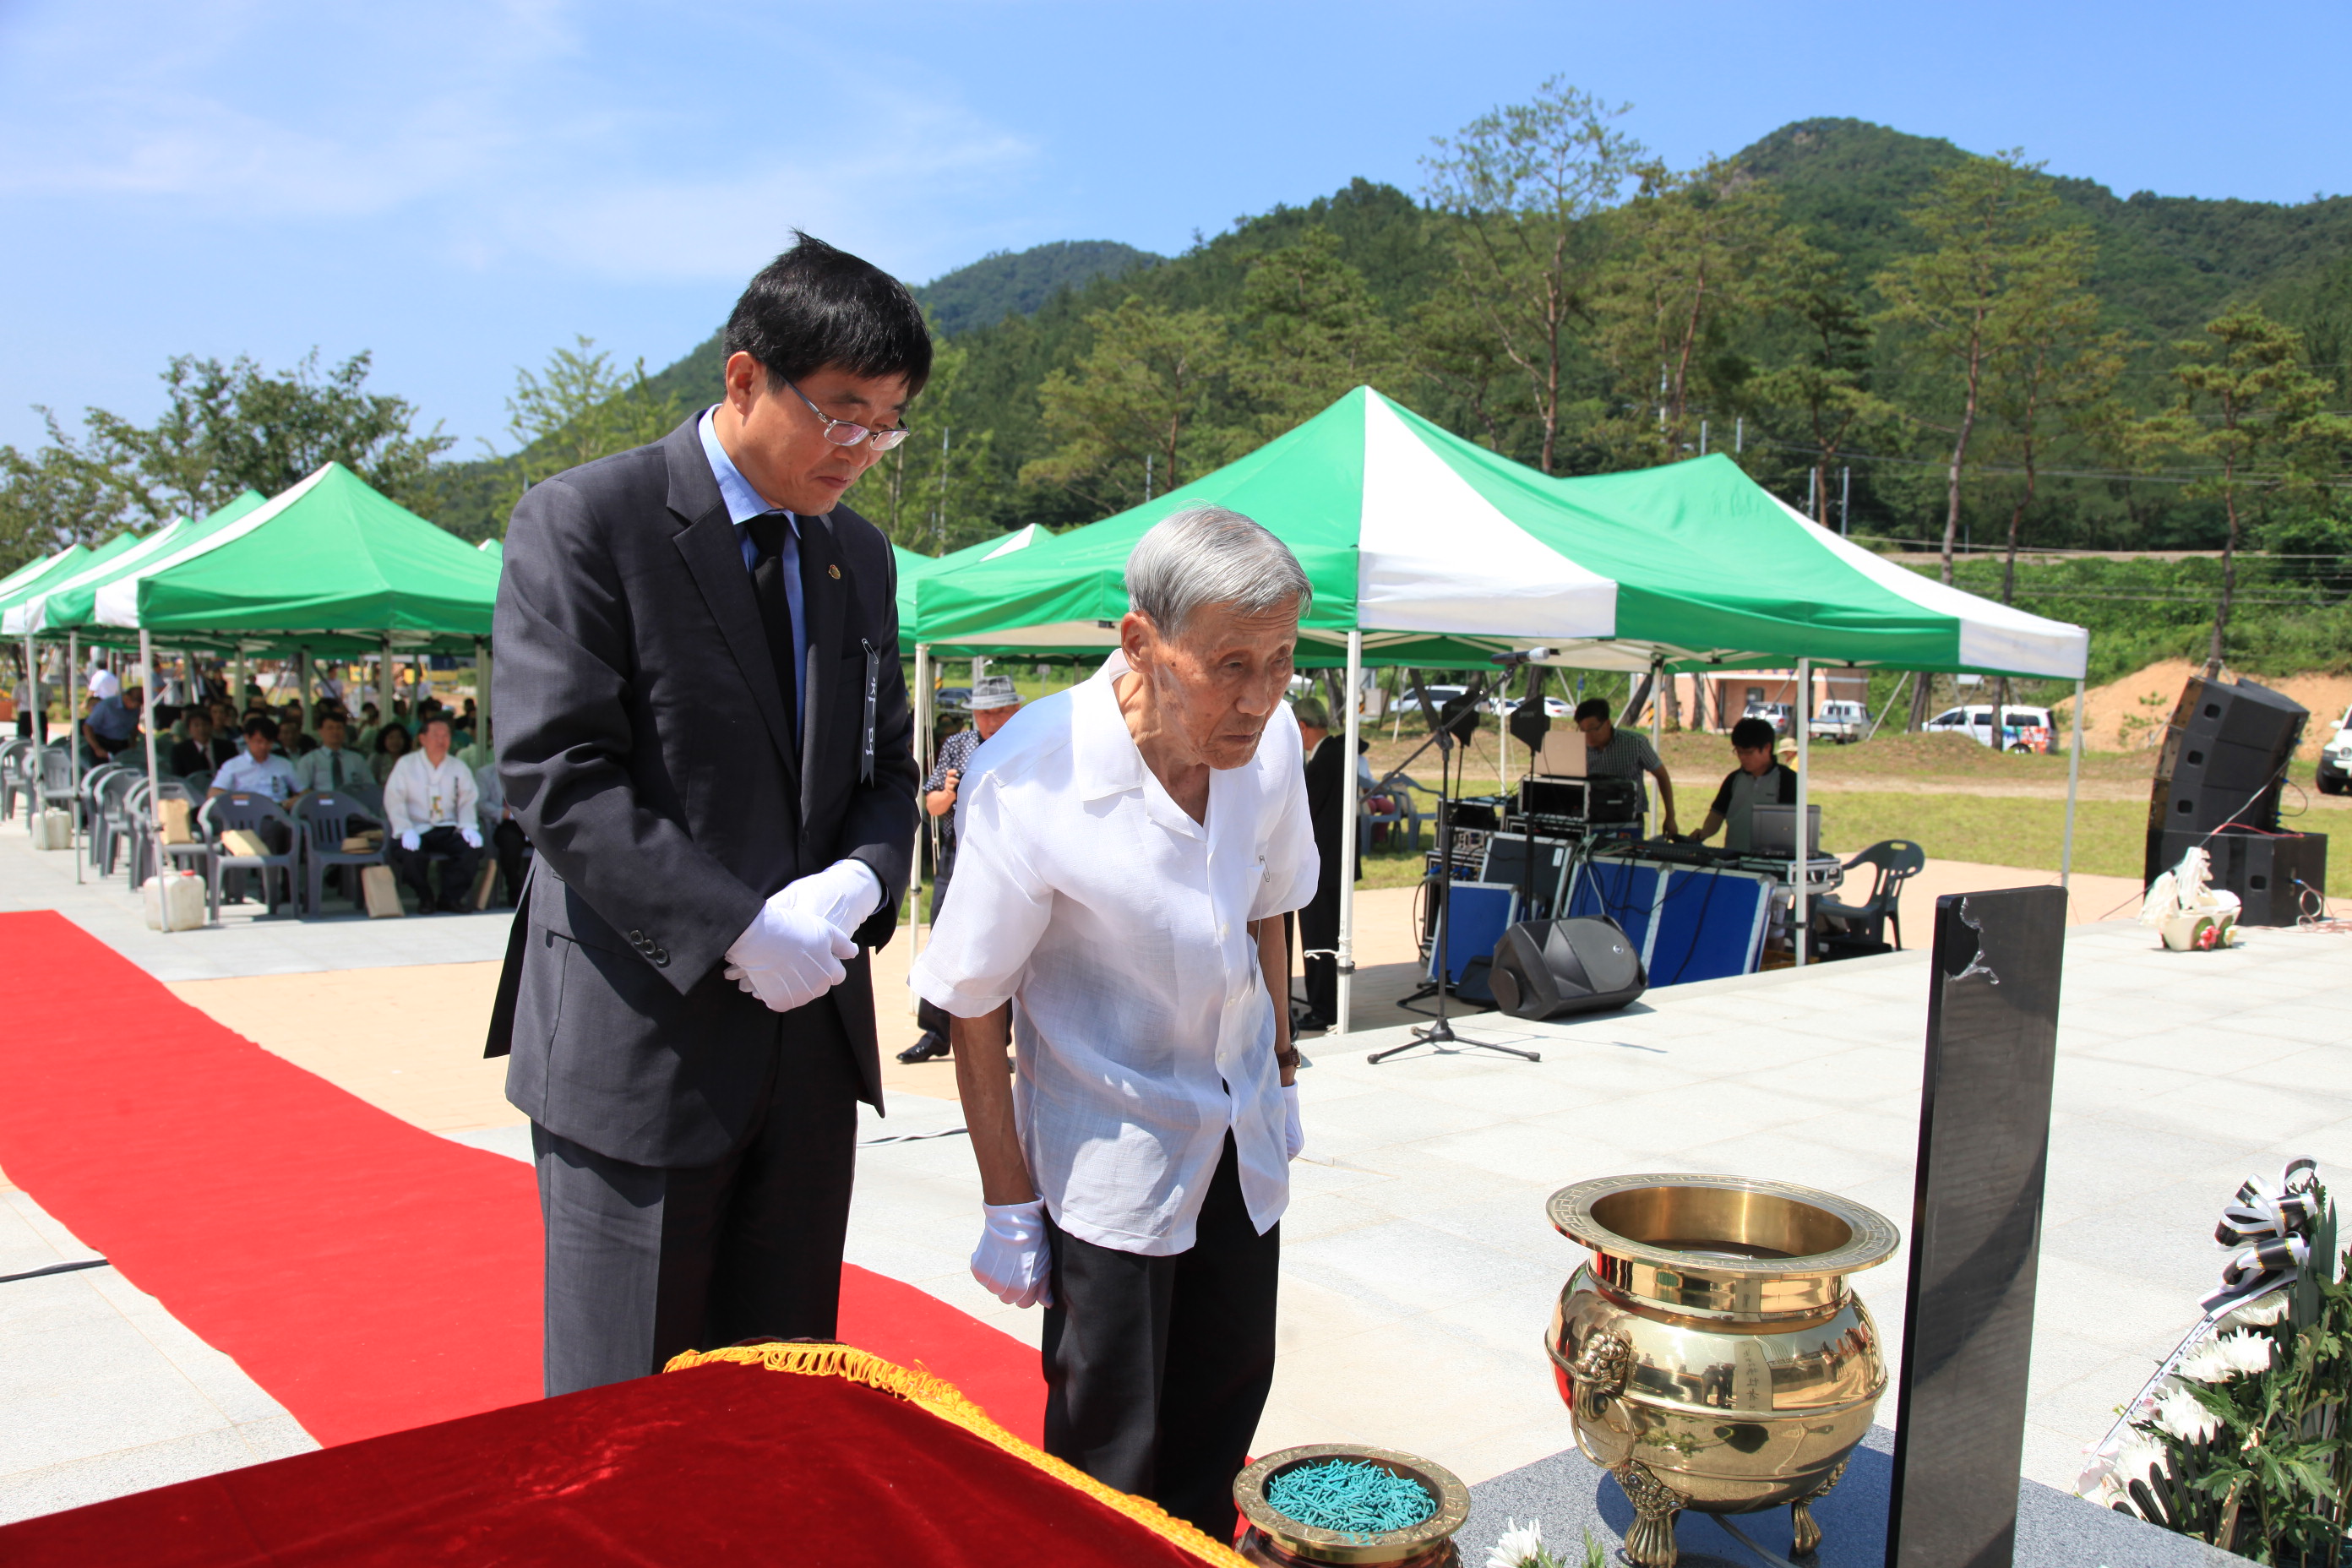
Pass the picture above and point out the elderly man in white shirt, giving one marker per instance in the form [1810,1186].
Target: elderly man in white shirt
[1127,851]
[428,808]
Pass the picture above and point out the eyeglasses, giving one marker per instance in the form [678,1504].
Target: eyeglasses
[842,433]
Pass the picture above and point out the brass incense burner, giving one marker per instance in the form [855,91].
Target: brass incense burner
[1710,1351]
[1276,1541]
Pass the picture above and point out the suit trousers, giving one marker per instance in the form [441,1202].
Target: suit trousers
[929,1016]
[643,1263]
[1156,1369]
[1318,927]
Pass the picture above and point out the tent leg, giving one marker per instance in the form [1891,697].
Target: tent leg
[482,696]
[39,730]
[154,811]
[923,761]
[73,753]
[302,681]
[384,678]
[1346,960]
[2073,783]
[1799,932]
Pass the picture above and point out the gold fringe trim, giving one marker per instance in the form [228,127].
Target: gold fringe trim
[922,1388]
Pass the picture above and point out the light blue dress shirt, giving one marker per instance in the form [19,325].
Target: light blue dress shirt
[744,503]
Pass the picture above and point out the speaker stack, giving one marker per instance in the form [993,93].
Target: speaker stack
[2218,778]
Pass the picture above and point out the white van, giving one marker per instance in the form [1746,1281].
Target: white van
[1840,720]
[2336,758]
[2022,729]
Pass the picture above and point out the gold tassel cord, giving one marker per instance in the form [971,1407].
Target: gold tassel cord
[944,1400]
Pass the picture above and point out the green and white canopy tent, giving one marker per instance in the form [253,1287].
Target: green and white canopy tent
[14,588]
[1426,549]
[913,568]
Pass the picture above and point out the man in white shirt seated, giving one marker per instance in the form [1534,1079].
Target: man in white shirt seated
[1125,852]
[428,808]
[257,769]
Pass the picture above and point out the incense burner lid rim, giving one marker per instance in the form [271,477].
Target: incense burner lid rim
[1872,1238]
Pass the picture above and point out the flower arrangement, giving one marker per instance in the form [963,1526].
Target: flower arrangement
[1522,1546]
[2242,1439]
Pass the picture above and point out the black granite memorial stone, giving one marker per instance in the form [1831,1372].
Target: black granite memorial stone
[1976,1228]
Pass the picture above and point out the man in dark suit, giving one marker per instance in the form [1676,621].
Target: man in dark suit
[705,735]
[1328,810]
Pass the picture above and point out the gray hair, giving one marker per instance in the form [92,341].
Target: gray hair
[1210,555]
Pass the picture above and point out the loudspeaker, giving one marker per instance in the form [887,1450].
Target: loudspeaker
[2224,756]
[1615,800]
[1550,969]
[2262,871]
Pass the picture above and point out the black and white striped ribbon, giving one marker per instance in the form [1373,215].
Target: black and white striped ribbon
[2267,1227]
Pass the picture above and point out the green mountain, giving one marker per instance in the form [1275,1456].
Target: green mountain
[2166,265]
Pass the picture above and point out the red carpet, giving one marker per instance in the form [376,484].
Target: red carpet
[371,1276]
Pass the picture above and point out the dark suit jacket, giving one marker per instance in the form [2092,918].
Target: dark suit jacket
[642,744]
[1328,777]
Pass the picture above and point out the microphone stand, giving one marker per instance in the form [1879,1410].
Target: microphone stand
[1439,1035]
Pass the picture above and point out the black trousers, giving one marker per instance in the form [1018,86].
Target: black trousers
[1156,1369]
[459,860]
[929,1014]
[643,1263]
[1318,926]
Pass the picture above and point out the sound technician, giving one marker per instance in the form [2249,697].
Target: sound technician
[1760,779]
[1614,754]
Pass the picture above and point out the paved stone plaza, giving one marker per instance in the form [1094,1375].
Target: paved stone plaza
[1419,1270]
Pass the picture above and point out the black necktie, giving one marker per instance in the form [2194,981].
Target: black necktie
[776,608]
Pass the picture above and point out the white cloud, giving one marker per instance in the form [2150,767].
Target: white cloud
[630,147]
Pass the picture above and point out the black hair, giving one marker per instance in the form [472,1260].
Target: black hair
[816,306]
[167,714]
[1592,708]
[385,733]
[435,717]
[1754,735]
[258,725]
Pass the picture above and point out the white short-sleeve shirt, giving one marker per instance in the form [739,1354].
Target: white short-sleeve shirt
[1118,928]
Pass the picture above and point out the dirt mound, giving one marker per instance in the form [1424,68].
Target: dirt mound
[2129,715]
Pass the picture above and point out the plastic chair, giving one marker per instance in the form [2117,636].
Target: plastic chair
[57,779]
[195,857]
[112,818]
[1404,812]
[1893,861]
[14,752]
[253,812]
[368,795]
[326,818]
[200,781]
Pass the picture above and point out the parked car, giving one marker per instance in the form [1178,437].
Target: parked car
[1840,720]
[2336,759]
[1773,713]
[951,699]
[2022,729]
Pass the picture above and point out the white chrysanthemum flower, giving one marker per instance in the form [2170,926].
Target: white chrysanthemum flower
[2180,1414]
[2227,1356]
[2261,1312]
[1519,1544]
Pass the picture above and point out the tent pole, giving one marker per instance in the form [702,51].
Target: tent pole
[382,682]
[154,811]
[39,730]
[302,681]
[2074,782]
[1797,924]
[929,824]
[73,754]
[482,696]
[1346,959]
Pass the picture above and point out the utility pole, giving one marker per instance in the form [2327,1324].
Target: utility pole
[1845,500]
[1740,434]
[1147,479]
[1701,437]
[1812,511]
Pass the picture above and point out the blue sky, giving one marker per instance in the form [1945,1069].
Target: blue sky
[461,187]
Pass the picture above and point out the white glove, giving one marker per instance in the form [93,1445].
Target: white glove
[412,838]
[472,835]
[1294,1131]
[842,895]
[1013,1258]
[788,957]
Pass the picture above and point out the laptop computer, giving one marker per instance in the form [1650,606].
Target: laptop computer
[1772,831]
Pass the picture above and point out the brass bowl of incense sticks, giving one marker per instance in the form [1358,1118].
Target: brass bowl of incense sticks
[1274,1539]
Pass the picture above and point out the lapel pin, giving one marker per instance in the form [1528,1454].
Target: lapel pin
[834,573]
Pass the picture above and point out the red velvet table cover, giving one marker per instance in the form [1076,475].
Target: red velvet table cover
[715,1464]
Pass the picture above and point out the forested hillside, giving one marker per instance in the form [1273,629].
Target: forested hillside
[1781,304]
